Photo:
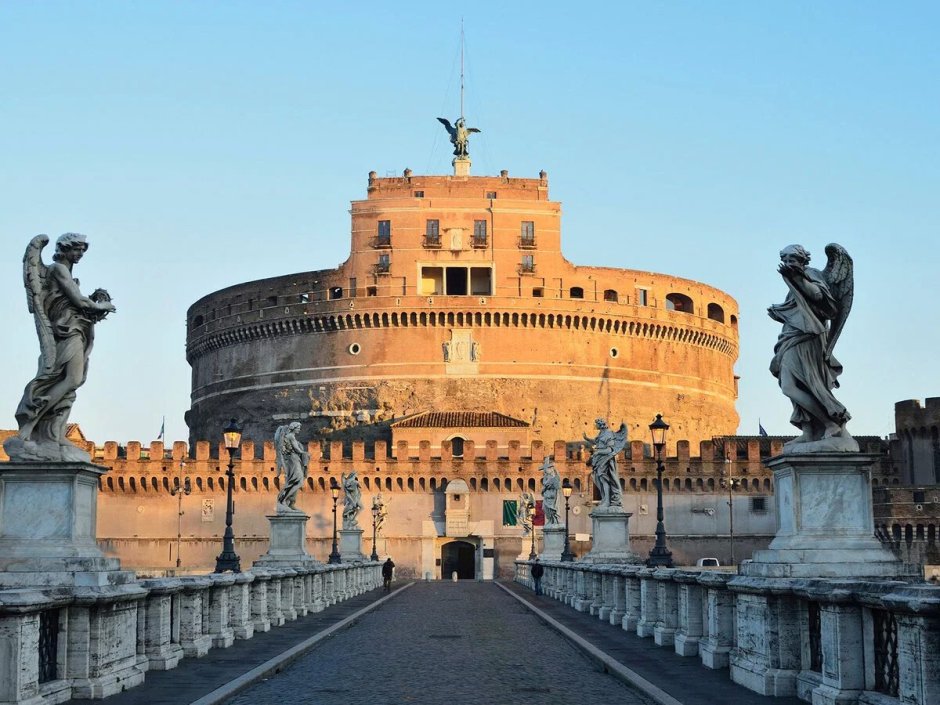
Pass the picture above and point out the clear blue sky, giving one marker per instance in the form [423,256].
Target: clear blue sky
[203,144]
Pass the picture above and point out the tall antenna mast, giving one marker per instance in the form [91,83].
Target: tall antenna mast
[461,66]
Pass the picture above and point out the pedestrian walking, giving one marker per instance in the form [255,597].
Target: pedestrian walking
[538,570]
[387,569]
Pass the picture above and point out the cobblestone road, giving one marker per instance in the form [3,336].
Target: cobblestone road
[463,643]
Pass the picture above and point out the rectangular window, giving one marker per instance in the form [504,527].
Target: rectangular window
[642,297]
[419,194]
[527,234]
[759,504]
[491,195]
[479,233]
[481,279]
[432,281]
[383,264]
[538,292]
[528,263]
[432,232]
[384,233]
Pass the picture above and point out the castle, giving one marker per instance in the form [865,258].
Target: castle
[456,297]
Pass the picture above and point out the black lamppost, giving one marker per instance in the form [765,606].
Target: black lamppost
[182,487]
[228,559]
[334,490]
[531,513]
[375,519]
[660,556]
[566,555]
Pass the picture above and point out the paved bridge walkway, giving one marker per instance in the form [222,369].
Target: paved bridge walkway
[444,643]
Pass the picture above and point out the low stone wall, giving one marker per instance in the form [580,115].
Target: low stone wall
[92,642]
[825,641]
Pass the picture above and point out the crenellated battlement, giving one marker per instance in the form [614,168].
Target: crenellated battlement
[486,467]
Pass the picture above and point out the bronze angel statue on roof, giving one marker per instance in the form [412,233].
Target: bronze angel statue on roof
[459,136]
[65,322]
[813,315]
[603,461]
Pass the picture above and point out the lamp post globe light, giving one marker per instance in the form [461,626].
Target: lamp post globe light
[531,513]
[660,556]
[228,559]
[566,555]
[334,491]
[375,519]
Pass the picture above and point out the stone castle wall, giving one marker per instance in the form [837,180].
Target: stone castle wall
[138,520]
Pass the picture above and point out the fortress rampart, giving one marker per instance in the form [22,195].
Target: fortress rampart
[139,500]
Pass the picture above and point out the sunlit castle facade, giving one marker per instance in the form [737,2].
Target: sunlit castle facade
[456,297]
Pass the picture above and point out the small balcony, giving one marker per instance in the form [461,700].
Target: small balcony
[432,242]
[381,268]
[527,243]
[382,243]
[527,268]
[479,243]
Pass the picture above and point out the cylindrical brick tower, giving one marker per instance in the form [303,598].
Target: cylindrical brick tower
[456,297]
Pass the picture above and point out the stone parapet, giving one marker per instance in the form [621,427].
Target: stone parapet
[110,636]
[825,641]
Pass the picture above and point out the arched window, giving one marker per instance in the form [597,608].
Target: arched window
[716,313]
[456,445]
[679,302]
[610,295]
[576,292]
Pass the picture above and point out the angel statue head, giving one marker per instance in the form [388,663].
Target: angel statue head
[813,315]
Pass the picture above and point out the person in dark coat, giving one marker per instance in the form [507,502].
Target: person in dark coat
[387,569]
[538,570]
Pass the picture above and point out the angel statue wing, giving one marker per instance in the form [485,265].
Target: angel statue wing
[451,130]
[620,438]
[34,278]
[839,275]
[279,450]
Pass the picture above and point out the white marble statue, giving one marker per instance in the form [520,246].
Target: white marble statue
[291,461]
[813,315]
[603,461]
[65,322]
[352,500]
[551,483]
[526,503]
[378,502]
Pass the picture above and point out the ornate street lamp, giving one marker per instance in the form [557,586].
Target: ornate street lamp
[182,487]
[531,513]
[566,555]
[334,491]
[660,556]
[228,559]
[375,519]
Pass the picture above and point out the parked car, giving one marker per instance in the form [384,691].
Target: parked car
[707,563]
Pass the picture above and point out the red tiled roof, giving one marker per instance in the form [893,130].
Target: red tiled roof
[460,419]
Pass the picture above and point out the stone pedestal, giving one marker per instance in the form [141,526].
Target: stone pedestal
[350,546]
[48,516]
[825,527]
[288,545]
[611,539]
[461,166]
[553,542]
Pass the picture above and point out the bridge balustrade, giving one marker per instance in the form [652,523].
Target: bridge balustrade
[871,642]
[172,619]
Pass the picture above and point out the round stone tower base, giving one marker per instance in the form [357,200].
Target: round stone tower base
[825,525]
[48,516]
[288,545]
[553,542]
[350,546]
[611,539]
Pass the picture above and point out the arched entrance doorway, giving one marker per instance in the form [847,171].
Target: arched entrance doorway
[459,556]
